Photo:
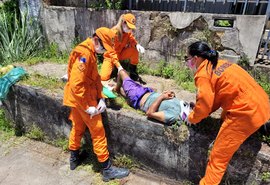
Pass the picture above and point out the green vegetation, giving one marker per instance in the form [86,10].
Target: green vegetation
[35,133]
[46,82]
[265,176]
[19,39]
[61,142]
[51,53]
[261,77]
[125,161]
[181,74]
[6,129]
[108,4]
[11,8]
[223,23]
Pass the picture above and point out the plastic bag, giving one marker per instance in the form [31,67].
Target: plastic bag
[9,79]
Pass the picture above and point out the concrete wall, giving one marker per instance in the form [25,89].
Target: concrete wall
[163,34]
[180,154]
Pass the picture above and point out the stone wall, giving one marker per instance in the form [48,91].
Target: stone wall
[165,35]
[180,154]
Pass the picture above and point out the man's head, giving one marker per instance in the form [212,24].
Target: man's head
[103,40]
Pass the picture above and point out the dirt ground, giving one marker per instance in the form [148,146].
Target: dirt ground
[25,161]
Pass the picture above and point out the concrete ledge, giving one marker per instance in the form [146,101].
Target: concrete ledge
[179,154]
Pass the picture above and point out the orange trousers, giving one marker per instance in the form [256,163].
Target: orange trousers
[231,135]
[130,53]
[80,120]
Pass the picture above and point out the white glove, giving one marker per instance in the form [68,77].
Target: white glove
[185,111]
[92,111]
[101,105]
[64,78]
[140,48]
[119,68]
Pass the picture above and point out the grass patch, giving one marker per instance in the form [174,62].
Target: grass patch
[51,53]
[6,129]
[181,74]
[265,176]
[125,161]
[61,143]
[35,133]
[46,82]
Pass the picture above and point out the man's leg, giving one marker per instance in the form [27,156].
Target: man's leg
[132,54]
[120,78]
[76,134]
[100,148]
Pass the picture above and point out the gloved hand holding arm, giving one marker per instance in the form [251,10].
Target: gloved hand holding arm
[92,111]
[101,105]
[119,68]
[140,48]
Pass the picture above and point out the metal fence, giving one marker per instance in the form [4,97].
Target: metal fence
[249,7]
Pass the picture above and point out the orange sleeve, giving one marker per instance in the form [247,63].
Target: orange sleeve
[99,87]
[204,100]
[77,82]
[111,55]
[132,40]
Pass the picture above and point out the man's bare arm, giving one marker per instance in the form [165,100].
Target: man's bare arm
[152,111]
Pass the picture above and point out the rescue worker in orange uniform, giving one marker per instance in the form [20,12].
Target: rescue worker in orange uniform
[126,47]
[245,105]
[83,93]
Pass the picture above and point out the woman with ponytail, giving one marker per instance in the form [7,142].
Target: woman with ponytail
[126,48]
[245,105]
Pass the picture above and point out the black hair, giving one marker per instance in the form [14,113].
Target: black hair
[201,49]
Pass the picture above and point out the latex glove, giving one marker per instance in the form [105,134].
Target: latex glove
[140,48]
[185,111]
[101,105]
[92,111]
[119,68]
[64,78]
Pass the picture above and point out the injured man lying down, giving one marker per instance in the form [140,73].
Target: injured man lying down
[164,107]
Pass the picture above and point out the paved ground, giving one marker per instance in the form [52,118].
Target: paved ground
[28,162]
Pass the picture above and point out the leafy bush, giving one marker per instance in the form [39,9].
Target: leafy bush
[108,4]
[19,39]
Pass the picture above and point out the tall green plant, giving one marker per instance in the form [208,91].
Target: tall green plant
[19,39]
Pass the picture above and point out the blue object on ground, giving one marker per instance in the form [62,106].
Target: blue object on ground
[9,79]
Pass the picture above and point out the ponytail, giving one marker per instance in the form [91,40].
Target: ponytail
[201,49]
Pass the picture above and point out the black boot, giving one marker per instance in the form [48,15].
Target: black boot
[133,72]
[76,158]
[111,172]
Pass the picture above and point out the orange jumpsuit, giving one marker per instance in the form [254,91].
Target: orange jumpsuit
[83,90]
[124,49]
[245,106]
